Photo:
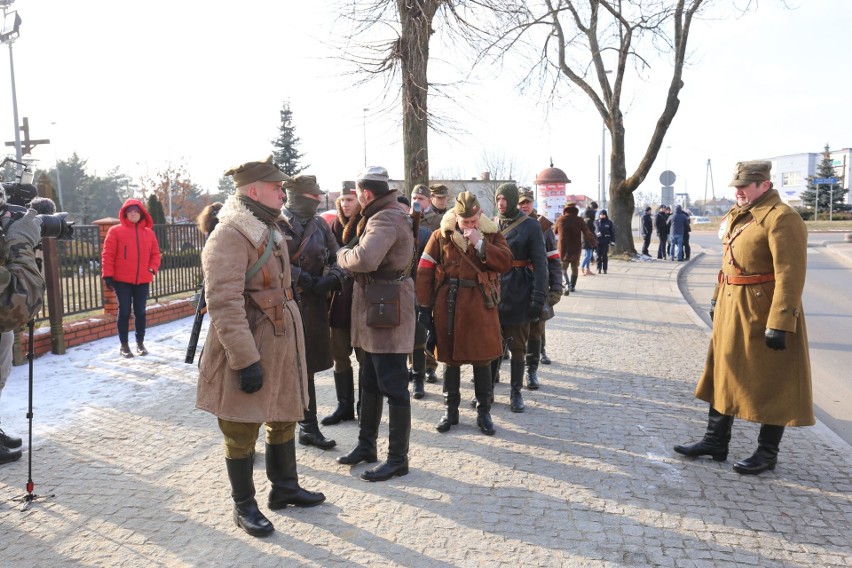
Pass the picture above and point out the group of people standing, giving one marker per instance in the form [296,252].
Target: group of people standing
[672,228]
[307,293]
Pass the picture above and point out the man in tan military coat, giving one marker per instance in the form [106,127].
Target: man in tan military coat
[380,259]
[758,367]
[252,370]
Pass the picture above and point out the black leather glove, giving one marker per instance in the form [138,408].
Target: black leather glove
[534,311]
[251,378]
[553,297]
[424,317]
[775,339]
[712,308]
[108,282]
[325,284]
[305,281]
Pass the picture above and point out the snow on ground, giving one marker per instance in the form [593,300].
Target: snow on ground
[90,376]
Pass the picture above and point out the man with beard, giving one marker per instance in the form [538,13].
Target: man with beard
[340,314]
[758,366]
[252,370]
[380,257]
[312,250]
[523,289]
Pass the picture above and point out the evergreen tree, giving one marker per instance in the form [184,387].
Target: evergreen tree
[225,186]
[286,154]
[155,208]
[830,195]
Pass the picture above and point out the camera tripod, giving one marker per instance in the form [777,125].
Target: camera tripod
[29,496]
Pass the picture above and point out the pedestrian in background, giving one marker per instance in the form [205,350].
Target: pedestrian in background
[573,234]
[588,244]
[677,224]
[605,235]
[662,231]
[758,365]
[646,229]
[130,260]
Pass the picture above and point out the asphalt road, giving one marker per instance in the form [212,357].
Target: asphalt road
[829,320]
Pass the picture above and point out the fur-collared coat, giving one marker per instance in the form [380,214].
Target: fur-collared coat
[571,230]
[385,245]
[241,334]
[743,377]
[443,260]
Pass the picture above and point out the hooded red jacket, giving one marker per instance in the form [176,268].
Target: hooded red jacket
[131,253]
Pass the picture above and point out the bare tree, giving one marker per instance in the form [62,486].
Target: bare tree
[390,39]
[596,45]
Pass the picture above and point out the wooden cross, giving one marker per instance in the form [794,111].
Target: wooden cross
[27,145]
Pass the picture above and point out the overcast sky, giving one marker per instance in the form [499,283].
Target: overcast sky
[139,84]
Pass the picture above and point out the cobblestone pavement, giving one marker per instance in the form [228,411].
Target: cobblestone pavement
[586,477]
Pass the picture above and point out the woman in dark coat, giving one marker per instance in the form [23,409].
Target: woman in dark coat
[605,233]
[588,244]
[458,283]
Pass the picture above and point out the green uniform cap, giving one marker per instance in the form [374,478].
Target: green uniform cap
[251,172]
[749,172]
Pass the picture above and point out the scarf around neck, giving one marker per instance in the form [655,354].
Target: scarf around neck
[259,210]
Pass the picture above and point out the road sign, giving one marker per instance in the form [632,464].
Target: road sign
[825,181]
[668,177]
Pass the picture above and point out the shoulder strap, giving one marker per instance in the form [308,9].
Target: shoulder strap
[514,224]
[306,236]
[255,268]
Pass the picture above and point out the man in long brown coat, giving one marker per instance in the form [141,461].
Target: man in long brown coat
[382,320]
[758,367]
[458,283]
[252,370]
[570,230]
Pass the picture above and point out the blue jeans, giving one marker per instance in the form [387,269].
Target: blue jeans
[135,296]
[677,242]
[587,259]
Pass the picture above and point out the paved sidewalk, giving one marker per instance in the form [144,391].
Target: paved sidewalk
[586,477]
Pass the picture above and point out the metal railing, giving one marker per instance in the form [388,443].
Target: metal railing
[80,267]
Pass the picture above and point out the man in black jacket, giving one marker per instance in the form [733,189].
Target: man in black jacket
[523,288]
[646,229]
[662,230]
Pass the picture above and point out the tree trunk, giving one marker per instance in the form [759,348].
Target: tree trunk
[416,20]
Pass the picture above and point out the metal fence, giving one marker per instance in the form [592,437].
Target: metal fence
[80,266]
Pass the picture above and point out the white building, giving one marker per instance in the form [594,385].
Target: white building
[790,174]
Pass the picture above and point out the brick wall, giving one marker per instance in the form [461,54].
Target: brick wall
[103,325]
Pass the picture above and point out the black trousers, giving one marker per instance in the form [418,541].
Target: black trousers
[646,242]
[386,374]
[135,296]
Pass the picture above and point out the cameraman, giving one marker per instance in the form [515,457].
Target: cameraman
[21,293]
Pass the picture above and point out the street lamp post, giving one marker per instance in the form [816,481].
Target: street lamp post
[8,35]
[364,125]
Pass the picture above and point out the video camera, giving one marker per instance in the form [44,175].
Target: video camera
[17,197]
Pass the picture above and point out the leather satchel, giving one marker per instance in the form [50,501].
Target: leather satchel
[383,310]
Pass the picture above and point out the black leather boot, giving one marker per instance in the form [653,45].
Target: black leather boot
[533,356]
[516,401]
[246,514]
[715,441]
[371,417]
[125,351]
[452,398]
[482,388]
[399,426]
[345,389]
[281,471]
[766,455]
[545,360]
[9,455]
[309,432]
[574,282]
[419,390]
[10,442]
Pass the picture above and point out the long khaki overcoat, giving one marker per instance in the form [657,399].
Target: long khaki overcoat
[476,335]
[742,376]
[385,245]
[241,334]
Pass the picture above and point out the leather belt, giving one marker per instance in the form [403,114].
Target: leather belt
[463,282]
[745,280]
[289,293]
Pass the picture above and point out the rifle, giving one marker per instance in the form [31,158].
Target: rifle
[200,310]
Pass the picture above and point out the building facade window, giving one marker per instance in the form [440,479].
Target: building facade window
[791,178]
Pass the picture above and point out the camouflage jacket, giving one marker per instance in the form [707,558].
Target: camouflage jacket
[21,284]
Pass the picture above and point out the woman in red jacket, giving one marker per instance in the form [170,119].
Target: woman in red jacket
[131,258]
